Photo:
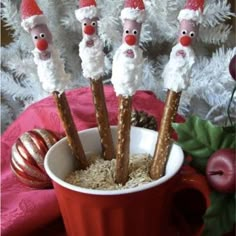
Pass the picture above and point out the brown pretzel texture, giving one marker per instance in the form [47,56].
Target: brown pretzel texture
[102,119]
[70,129]
[122,153]
[164,137]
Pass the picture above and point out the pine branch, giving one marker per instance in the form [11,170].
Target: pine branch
[162,15]
[110,31]
[215,35]
[10,15]
[216,12]
[213,74]
[151,81]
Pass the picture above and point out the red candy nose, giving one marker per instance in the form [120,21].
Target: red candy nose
[185,41]
[89,30]
[42,45]
[130,40]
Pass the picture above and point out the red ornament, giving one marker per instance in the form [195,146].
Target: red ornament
[221,170]
[28,153]
[232,67]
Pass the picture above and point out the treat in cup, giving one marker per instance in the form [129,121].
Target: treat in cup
[141,210]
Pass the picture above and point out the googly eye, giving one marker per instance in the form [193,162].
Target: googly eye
[135,31]
[127,31]
[94,23]
[42,35]
[184,32]
[35,37]
[85,24]
[192,34]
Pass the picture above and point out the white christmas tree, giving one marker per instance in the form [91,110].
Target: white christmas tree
[211,84]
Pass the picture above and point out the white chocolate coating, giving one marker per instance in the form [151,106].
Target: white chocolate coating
[92,58]
[51,72]
[177,71]
[126,71]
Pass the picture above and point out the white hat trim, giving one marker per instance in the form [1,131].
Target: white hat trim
[187,14]
[133,14]
[86,12]
[32,21]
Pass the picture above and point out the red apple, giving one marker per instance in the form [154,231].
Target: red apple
[232,67]
[221,170]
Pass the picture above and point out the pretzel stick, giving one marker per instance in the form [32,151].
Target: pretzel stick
[164,138]
[70,129]
[122,153]
[102,119]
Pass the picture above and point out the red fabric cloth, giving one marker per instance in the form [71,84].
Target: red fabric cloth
[27,211]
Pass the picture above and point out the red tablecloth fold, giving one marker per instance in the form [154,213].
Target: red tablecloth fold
[25,210]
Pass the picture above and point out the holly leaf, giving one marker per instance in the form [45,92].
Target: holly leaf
[200,139]
[220,215]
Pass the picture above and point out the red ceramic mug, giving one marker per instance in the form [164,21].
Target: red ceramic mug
[146,210]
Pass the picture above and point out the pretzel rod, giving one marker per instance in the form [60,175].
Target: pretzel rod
[102,119]
[122,153]
[164,138]
[70,129]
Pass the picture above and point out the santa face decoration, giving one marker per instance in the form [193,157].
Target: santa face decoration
[89,26]
[41,37]
[187,32]
[131,32]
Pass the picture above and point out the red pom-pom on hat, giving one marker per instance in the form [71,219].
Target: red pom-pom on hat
[31,15]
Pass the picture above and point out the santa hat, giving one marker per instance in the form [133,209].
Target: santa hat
[193,10]
[87,9]
[133,10]
[31,15]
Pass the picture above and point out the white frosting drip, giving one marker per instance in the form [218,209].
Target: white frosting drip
[177,71]
[126,71]
[133,14]
[51,72]
[92,58]
[187,14]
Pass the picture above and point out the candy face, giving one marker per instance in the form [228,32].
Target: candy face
[50,66]
[91,50]
[177,71]
[42,37]
[131,32]
[187,32]
[89,26]
[128,61]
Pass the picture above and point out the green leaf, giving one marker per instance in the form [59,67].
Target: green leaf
[200,139]
[220,215]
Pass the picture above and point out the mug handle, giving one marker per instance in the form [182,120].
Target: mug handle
[190,179]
